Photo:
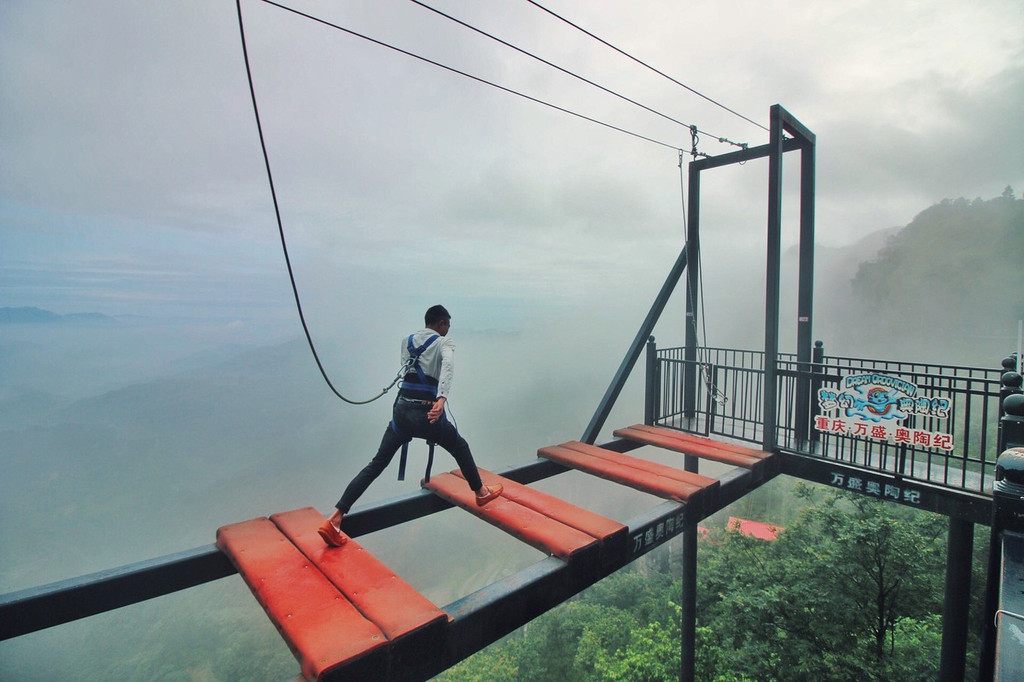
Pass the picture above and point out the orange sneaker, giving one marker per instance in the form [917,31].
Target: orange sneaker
[331,535]
[493,491]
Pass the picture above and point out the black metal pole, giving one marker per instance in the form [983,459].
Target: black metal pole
[805,295]
[959,553]
[771,284]
[688,629]
[690,369]
[1010,435]
[817,369]
[652,387]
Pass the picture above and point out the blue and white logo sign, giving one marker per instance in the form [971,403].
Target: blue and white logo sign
[875,406]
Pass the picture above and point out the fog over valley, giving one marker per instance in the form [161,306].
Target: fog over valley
[155,378]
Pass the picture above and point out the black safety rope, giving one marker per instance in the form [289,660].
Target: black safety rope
[280,229]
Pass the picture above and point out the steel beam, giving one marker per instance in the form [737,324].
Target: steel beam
[688,603]
[62,602]
[956,607]
[773,266]
[960,504]
[692,292]
[635,349]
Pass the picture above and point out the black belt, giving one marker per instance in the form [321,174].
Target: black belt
[413,401]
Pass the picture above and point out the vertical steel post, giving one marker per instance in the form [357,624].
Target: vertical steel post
[956,607]
[817,368]
[987,655]
[805,295]
[688,631]
[690,369]
[653,387]
[771,285]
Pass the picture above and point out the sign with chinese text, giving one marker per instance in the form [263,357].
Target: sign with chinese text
[655,533]
[895,491]
[875,406]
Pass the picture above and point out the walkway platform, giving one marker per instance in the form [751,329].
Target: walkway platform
[758,461]
[345,615]
[650,477]
[555,527]
[342,612]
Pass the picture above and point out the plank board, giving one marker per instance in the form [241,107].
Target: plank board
[532,527]
[650,477]
[395,606]
[670,439]
[612,535]
[321,627]
[413,624]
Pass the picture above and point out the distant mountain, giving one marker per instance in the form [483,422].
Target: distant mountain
[947,285]
[32,315]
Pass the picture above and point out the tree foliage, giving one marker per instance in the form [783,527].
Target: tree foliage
[850,590]
[827,599]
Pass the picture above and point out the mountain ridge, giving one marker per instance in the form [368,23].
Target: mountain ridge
[34,315]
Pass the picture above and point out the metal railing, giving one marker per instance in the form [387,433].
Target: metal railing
[948,436]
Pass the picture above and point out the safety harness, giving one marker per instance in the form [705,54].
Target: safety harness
[422,384]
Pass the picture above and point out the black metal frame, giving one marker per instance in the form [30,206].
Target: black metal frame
[478,619]
[802,140]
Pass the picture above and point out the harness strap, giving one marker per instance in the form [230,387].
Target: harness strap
[404,457]
[430,460]
[405,449]
[422,385]
[423,381]
[401,461]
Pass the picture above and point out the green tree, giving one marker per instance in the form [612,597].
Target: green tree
[849,591]
[651,655]
[827,598]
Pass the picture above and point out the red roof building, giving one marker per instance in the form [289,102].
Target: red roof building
[763,531]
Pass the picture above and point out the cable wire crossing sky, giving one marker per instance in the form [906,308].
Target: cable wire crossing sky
[131,178]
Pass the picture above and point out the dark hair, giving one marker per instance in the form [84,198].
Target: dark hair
[436,313]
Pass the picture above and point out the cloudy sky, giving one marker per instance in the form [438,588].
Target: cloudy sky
[132,181]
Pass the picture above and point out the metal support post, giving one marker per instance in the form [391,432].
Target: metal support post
[817,369]
[635,349]
[959,553]
[805,296]
[1007,517]
[690,369]
[653,384]
[688,629]
[771,284]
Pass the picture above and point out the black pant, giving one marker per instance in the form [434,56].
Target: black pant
[411,420]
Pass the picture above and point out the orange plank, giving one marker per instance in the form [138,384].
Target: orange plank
[693,445]
[609,532]
[703,482]
[392,604]
[685,437]
[317,622]
[621,471]
[535,529]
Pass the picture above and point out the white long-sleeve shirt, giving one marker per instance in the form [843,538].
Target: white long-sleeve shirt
[437,361]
